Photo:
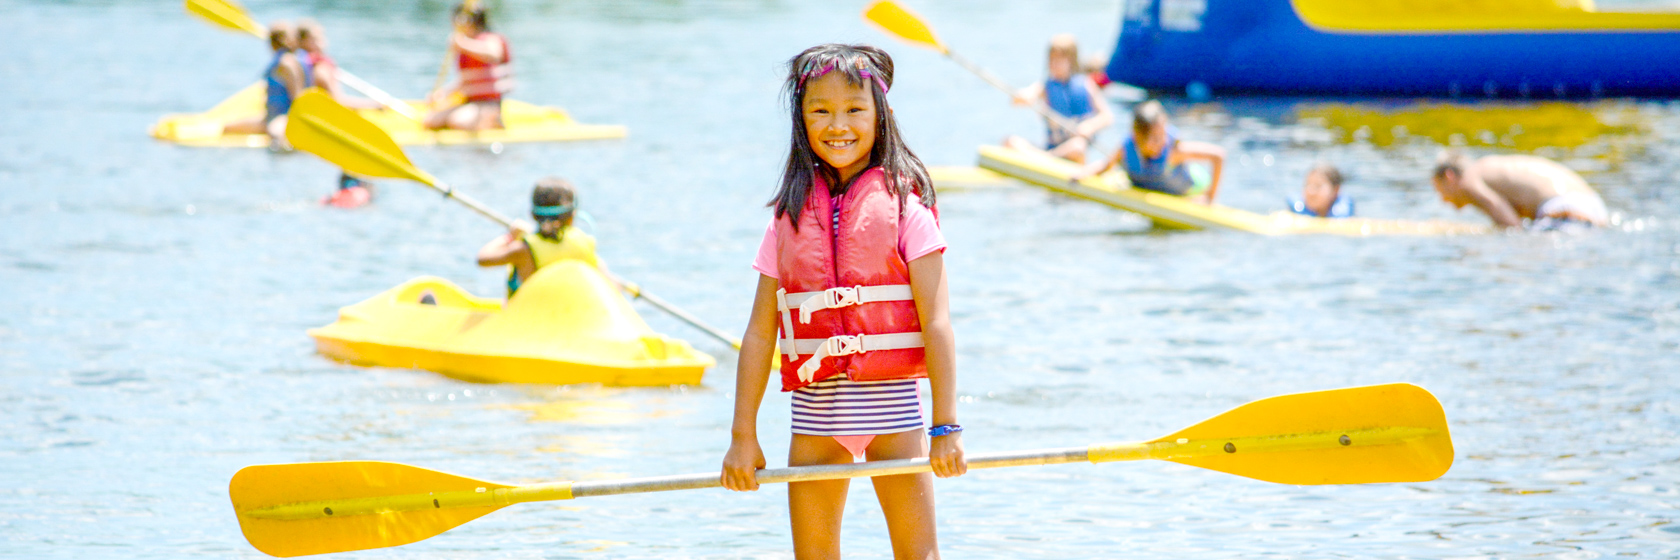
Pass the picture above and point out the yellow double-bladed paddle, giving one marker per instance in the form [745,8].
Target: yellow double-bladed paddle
[1380,433]
[900,22]
[319,125]
[230,15]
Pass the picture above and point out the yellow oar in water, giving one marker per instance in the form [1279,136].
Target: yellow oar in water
[1380,433]
[319,125]
[230,15]
[899,22]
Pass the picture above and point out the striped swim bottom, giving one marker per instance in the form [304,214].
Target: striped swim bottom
[841,407]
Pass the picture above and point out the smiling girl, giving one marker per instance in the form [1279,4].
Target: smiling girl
[852,275]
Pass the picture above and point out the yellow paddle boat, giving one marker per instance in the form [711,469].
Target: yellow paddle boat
[1175,212]
[567,324]
[525,123]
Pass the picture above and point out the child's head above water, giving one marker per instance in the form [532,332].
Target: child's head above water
[1063,57]
[1149,127]
[553,205]
[1323,185]
[842,126]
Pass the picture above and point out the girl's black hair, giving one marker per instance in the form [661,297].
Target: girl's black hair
[862,65]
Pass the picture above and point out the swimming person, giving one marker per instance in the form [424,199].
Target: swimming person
[1154,157]
[286,77]
[1512,188]
[482,59]
[1321,195]
[553,206]
[852,274]
[1070,94]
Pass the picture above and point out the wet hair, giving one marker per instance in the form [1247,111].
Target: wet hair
[475,15]
[554,191]
[1146,115]
[863,66]
[281,35]
[1066,44]
[1330,173]
[1450,160]
[309,28]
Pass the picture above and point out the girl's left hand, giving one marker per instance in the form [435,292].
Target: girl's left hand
[947,456]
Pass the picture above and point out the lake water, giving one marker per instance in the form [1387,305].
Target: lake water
[152,328]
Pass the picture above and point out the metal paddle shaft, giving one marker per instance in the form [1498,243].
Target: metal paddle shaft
[636,290]
[911,28]
[1360,435]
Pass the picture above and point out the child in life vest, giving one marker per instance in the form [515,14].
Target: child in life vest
[1321,195]
[852,276]
[323,73]
[1154,157]
[286,77]
[553,205]
[1074,96]
[481,58]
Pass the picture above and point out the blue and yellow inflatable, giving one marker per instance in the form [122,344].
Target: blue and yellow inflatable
[1435,48]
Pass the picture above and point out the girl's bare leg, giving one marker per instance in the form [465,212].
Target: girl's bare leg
[906,499]
[815,507]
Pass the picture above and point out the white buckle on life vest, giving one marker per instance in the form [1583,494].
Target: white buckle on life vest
[834,298]
[844,345]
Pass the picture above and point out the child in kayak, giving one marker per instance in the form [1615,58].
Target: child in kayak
[1072,95]
[553,205]
[481,58]
[1154,157]
[1321,196]
[851,270]
[286,77]
[323,70]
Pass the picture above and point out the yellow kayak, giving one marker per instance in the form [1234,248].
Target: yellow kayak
[567,324]
[525,123]
[1175,212]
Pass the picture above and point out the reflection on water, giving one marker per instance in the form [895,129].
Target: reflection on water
[152,338]
[1524,126]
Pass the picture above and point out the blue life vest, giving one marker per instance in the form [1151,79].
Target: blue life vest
[1069,99]
[279,99]
[1157,174]
[1341,208]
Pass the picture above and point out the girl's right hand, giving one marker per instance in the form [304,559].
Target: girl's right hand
[741,464]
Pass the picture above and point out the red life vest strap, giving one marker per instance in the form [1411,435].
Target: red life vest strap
[835,298]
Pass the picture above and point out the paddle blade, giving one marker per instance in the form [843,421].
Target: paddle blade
[226,14]
[902,23]
[319,125]
[1380,433]
[316,508]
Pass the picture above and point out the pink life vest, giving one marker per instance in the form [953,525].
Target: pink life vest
[845,300]
[482,80]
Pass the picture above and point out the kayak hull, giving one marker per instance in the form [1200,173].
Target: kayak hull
[1174,212]
[567,325]
[525,123]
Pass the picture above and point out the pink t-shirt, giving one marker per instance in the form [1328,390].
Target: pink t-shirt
[918,236]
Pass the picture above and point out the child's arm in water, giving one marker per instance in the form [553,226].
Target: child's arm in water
[752,375]
[927,284]
[1189,150]
[1492,203]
